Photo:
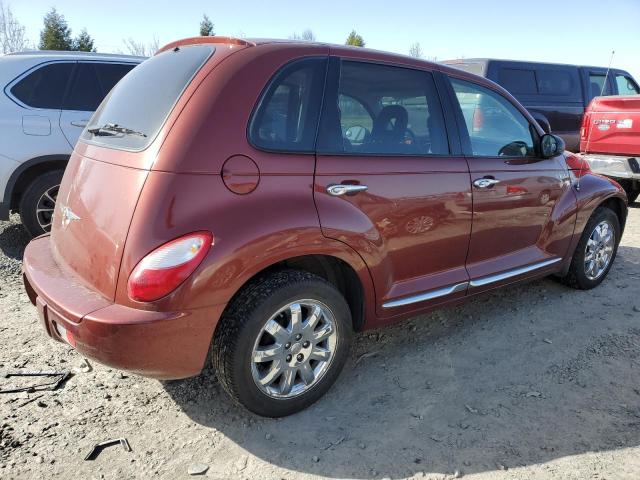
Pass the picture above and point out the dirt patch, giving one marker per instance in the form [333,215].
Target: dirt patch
[536,381]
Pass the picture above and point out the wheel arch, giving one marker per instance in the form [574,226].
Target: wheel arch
[352,281]
[27,172]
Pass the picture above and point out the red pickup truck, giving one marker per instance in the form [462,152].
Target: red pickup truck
[610,140]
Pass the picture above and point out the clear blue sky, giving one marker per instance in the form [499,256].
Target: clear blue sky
[569,31]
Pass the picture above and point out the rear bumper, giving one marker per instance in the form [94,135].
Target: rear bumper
[616,166]
[165,345]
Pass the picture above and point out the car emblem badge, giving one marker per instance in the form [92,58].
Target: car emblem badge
[68,216]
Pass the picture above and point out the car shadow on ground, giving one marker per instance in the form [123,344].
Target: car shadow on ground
[518,377]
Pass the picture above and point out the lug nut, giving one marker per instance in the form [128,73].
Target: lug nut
[287,345]
[288,358]
[298,337]
[300,357]
[305,344]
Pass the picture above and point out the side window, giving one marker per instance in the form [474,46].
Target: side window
[110,73]
[85,93]
[518,81]
[626,86]
[495,126]
[287,115]
[44,87]
[596,82]
[555,82]
[397,112]
[358,121]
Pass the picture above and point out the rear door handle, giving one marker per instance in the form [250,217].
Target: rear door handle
[485,182]
[339,190]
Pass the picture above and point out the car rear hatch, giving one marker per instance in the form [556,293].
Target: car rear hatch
[112,161]
[611,125]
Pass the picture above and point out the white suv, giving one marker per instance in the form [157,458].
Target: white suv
[47,99]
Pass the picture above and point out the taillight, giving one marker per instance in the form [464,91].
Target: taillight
[165,268]
[577,164]
[584,129]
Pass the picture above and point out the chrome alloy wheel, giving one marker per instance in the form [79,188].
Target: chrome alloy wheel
[599,250]
[294,349]
[45,207]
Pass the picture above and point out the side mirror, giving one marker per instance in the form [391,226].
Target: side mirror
[551,145]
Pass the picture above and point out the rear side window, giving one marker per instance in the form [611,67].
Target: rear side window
[92,83]
[598,85]
[286,118]
[496,128]
[626,86]
[44,87]
[518,81]
[383,110]
[144,98]
[556,82]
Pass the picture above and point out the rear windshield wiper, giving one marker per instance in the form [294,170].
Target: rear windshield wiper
[112,129]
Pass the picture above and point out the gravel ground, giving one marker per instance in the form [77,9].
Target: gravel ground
[532,382]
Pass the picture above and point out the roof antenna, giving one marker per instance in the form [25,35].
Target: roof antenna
[613,52]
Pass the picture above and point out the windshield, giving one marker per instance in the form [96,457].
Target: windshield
[143,99]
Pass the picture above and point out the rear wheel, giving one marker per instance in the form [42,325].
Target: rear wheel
[596,250]
[282,343]
[38,201]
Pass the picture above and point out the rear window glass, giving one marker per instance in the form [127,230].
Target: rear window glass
[518,81]
[45,86]
[143,99]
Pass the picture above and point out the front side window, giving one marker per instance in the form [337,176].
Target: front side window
[626,86]
[383,110]
[287,115]
[92,83]
[494,125]
[44,87]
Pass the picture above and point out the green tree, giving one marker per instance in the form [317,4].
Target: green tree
[355,39]
[84,42]
[206,27]
[56,34]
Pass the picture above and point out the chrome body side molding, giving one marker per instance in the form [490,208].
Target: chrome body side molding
[430,295]
[482,281]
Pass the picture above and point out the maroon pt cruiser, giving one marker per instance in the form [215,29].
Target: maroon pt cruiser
[255,203]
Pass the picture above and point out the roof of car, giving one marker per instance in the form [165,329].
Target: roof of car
[455,61]
[55,54]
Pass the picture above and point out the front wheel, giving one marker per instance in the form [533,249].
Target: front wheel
[596,250]
[282,343]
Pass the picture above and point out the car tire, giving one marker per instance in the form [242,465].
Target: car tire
[257,337]
[588,266]
[37,202]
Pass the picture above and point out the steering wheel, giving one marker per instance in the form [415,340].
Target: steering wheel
[514,149]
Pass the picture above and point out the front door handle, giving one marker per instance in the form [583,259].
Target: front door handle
[81,123]
[339,190]
[485,182]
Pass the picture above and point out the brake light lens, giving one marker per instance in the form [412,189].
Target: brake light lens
[165,268]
